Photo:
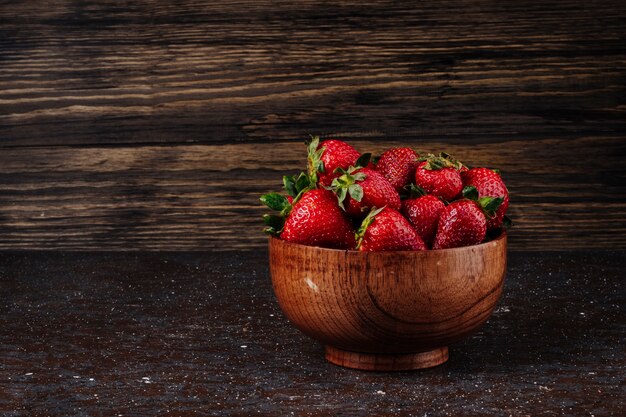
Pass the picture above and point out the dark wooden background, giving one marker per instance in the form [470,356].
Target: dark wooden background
[156,124]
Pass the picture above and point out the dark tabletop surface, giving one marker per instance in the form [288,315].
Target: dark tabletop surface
[186,334]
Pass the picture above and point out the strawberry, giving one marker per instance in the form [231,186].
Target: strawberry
[314,219]
[325,157]
[358,190]
[489,184]
[461,223]
[398,165]
[385,229]
[423,213]
[439,175]
[464,222]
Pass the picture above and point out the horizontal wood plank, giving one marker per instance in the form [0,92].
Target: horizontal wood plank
[222,72]
[156,125]
[206,196]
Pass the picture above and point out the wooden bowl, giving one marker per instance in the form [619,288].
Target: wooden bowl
[387,310]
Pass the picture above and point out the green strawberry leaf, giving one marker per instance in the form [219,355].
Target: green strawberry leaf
[451,161]
[497,171]
[470,192]
[375,159]
[359,176]
[363,160]
[315,164]
[367,221]
[414,191]
[356,192]
[289,184]
[275,201]
[275,224]
[434,163]
[320,164]
[303,182]
[312,143]
[507,222]
[490,204]
[342,181]
[345,185]
[341,196]
[274,221]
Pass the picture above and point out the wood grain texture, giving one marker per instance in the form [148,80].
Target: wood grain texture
[206,196]
[385,310]
[155,125]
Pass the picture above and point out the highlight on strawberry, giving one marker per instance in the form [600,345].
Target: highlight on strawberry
[401,202]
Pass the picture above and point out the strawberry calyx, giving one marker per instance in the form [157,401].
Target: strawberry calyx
[346,183]
[314,159]
[367,221]
[443,160]
[362,162]
[275,222]
[295,186]
[413,191]
[458,165]
[489,205]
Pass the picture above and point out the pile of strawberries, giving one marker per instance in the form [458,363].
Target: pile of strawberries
[402,201]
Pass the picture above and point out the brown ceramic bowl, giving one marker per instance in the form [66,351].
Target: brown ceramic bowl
[387,310]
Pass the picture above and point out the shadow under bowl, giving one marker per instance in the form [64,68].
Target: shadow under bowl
[387,311]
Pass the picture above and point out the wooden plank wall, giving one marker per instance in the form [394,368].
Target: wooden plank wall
[155,124]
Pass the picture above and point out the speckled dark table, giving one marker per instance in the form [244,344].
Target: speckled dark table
[186,334]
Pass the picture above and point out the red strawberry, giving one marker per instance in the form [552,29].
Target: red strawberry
[385,230]
[398,165]
[361,189]
[489,184]
[423,213]
[315,220]
[461,223]
[326,157]
[439,176]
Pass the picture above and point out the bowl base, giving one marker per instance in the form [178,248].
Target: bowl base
[386,362]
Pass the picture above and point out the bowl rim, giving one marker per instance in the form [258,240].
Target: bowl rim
[501,237]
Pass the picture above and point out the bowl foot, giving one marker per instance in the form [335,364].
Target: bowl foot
[386,362]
